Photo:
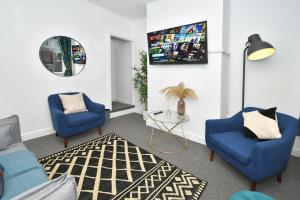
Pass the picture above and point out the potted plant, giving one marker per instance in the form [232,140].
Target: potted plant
[181,92]
[140,82]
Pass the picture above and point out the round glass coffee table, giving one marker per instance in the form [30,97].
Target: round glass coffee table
[167,121]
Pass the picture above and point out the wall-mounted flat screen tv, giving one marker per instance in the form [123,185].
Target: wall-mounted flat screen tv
[179,45]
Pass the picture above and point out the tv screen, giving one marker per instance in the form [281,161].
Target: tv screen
[179,45]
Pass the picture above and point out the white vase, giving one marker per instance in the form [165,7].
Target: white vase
[145,115]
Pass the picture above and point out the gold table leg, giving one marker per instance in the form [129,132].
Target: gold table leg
[168,131]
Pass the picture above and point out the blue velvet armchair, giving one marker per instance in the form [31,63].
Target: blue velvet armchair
[67,125]
[256,159]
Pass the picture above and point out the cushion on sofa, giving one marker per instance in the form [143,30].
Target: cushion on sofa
[76,119]
[73,103]
[261,124]
[19,146]
[18,162]
[5,137]
[61,188]
[13,121]
[22,182]
[235,144]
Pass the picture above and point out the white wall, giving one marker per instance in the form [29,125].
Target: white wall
[276,80]
[25,83]
[121,66]
[140,43]
[205,79]
[225,73]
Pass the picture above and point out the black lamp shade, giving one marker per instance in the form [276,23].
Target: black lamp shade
[258,49]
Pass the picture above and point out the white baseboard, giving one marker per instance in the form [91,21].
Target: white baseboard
[36,134]
[296,152]
[122,112]
[48,131]
[201,139]
[177,131]
[189,135]
[296,149]
[139,111]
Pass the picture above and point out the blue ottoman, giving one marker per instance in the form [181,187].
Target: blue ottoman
[248,195]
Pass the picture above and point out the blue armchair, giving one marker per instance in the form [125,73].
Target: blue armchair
[256,159]
[67,125]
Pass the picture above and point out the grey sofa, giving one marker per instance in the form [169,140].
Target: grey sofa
[15,134]
[18,146]
[24,177]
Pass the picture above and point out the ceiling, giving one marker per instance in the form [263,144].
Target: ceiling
[129,9]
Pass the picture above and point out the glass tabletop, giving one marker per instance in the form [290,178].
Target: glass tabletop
[168,117]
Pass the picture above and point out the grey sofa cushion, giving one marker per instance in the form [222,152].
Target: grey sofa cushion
[13,122]
[5,137]
[61,188]
[20,146]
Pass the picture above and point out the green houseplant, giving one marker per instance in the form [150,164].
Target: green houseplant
[140,81]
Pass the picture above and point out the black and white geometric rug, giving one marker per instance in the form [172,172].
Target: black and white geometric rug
[112,168]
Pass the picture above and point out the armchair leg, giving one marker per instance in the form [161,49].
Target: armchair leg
[100,131]
[56,134]
[66,142]
[253,186]
[211,156]
[279,177]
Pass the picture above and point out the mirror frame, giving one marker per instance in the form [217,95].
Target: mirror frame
[62,60]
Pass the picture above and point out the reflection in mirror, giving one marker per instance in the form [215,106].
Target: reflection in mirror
[63,56]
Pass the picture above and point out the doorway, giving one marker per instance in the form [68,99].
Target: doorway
[121,61]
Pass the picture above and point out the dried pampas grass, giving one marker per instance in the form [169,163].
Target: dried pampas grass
[179,91]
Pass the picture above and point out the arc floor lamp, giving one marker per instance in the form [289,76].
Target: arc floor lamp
[256,49]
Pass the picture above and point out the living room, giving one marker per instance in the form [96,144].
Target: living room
[122,149]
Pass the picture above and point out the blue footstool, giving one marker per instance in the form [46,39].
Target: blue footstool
[248,195]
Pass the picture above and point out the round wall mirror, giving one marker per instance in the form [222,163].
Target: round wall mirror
[62,56]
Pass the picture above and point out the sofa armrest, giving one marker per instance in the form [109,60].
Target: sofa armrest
[98,108]
[58,119]
[222,125]
[15,124]
[275,153]
[61,188]
[95,107]
[272,156]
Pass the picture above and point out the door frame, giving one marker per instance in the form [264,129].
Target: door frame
[111,35]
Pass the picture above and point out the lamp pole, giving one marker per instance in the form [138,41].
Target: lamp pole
[244,69]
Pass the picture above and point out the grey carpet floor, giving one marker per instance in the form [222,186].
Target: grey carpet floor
[117,106]
[223,180]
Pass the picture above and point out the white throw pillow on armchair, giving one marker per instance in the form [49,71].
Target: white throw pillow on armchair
[73,103]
